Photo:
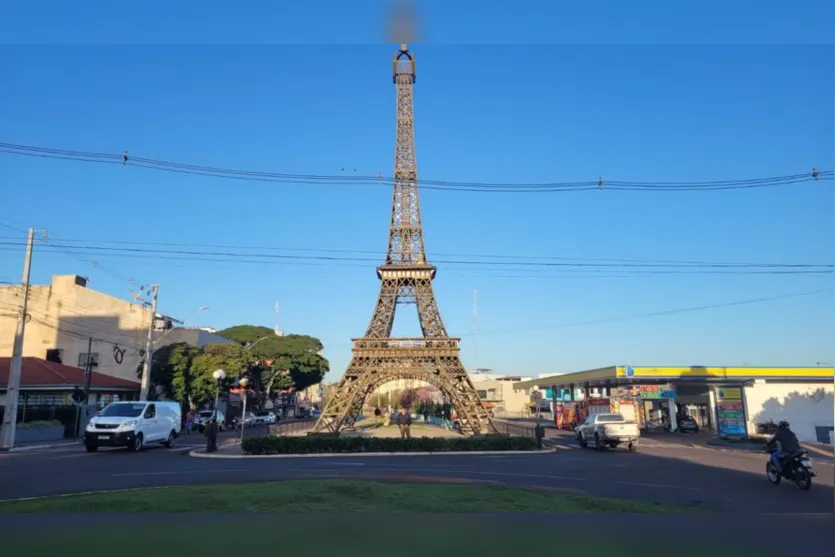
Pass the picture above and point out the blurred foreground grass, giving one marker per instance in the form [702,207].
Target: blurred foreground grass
[328,496]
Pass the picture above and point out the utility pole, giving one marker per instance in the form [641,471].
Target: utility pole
[7,434]
[88,371]
[149,344]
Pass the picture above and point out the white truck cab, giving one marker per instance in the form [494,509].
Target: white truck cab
[134,425]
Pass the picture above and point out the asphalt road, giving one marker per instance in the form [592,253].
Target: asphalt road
[665,472]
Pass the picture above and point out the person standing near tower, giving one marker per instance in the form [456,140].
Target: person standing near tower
[404,422]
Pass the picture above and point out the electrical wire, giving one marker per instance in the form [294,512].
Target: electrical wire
[472,265]
[69,252]
[662,313]
[441,185]
[379,255]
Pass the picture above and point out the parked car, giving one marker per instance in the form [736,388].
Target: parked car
[608,431]
[205,416]
[262,418]
[248,420]
[134,425]
[687,424]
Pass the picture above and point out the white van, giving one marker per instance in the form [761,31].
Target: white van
[134,425]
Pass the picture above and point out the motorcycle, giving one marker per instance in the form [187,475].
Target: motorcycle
[797,468]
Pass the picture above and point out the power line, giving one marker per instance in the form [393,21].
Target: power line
[443,185]
[662,313]
[67,251]
[297,259]
[380,254]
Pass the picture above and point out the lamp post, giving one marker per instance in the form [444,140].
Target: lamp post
[211,431]
[244,382]
[218,375]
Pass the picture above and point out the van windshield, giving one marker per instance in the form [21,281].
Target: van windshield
[123,410]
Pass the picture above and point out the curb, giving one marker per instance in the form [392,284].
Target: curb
[47,446]
[198,454]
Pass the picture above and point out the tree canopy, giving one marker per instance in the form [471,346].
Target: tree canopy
[285,362]
[271,363]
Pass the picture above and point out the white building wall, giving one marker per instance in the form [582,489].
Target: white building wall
[65,314]
[804,405]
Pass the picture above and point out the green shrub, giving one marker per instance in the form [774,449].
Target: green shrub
[333,444]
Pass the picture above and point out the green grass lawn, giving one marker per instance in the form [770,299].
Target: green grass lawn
[328,496]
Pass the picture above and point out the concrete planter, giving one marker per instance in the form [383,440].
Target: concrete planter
[39,434]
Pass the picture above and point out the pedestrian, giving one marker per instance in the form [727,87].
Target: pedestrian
[189,420]
[404,422]
[378,417]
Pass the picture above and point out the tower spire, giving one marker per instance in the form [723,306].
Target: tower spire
[406,243]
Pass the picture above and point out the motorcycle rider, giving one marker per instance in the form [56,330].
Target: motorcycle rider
[787,444]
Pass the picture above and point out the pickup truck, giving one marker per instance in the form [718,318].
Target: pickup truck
[608,431]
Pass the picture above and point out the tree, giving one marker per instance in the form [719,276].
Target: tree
[408,398]
[228,357]
[180,363]
[283,362]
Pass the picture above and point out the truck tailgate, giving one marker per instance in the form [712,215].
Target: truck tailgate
[622,430]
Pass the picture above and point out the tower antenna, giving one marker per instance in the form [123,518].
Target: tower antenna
[278,331]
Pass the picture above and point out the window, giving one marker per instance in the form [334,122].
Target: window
[482,395]
[54,355]
[151,412]
[82,359]
[32,399]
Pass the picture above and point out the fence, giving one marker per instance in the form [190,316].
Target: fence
[292,427]
[515,430]
[67,416]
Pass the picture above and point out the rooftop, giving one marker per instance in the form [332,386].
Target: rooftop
[38,373]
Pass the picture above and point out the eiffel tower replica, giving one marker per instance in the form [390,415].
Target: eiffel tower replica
[406,277]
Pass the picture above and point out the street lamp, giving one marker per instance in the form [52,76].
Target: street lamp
[249,346]
[219,375]
[182,321]
[244,382]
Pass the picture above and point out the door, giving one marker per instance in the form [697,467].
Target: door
[151,423]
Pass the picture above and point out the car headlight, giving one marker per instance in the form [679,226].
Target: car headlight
[128,425]
[91,425]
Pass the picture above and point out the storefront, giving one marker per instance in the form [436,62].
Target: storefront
[729,401]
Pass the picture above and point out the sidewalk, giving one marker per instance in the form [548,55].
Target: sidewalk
[22,447]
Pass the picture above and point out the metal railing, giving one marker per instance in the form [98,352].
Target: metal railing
[514,430]
[291,426]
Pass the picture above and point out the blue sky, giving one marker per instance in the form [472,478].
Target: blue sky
[509,112]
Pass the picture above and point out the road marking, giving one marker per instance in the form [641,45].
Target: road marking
[178,473]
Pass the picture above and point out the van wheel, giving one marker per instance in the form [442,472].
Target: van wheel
[91,448]
[168,443]
[137,444]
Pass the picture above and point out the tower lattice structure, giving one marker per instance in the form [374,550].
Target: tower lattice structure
[405,277]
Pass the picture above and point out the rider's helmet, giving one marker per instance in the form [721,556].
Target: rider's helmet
[783,425]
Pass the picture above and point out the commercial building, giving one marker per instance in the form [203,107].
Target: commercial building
[502,397]
[731,401]
[66,314]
